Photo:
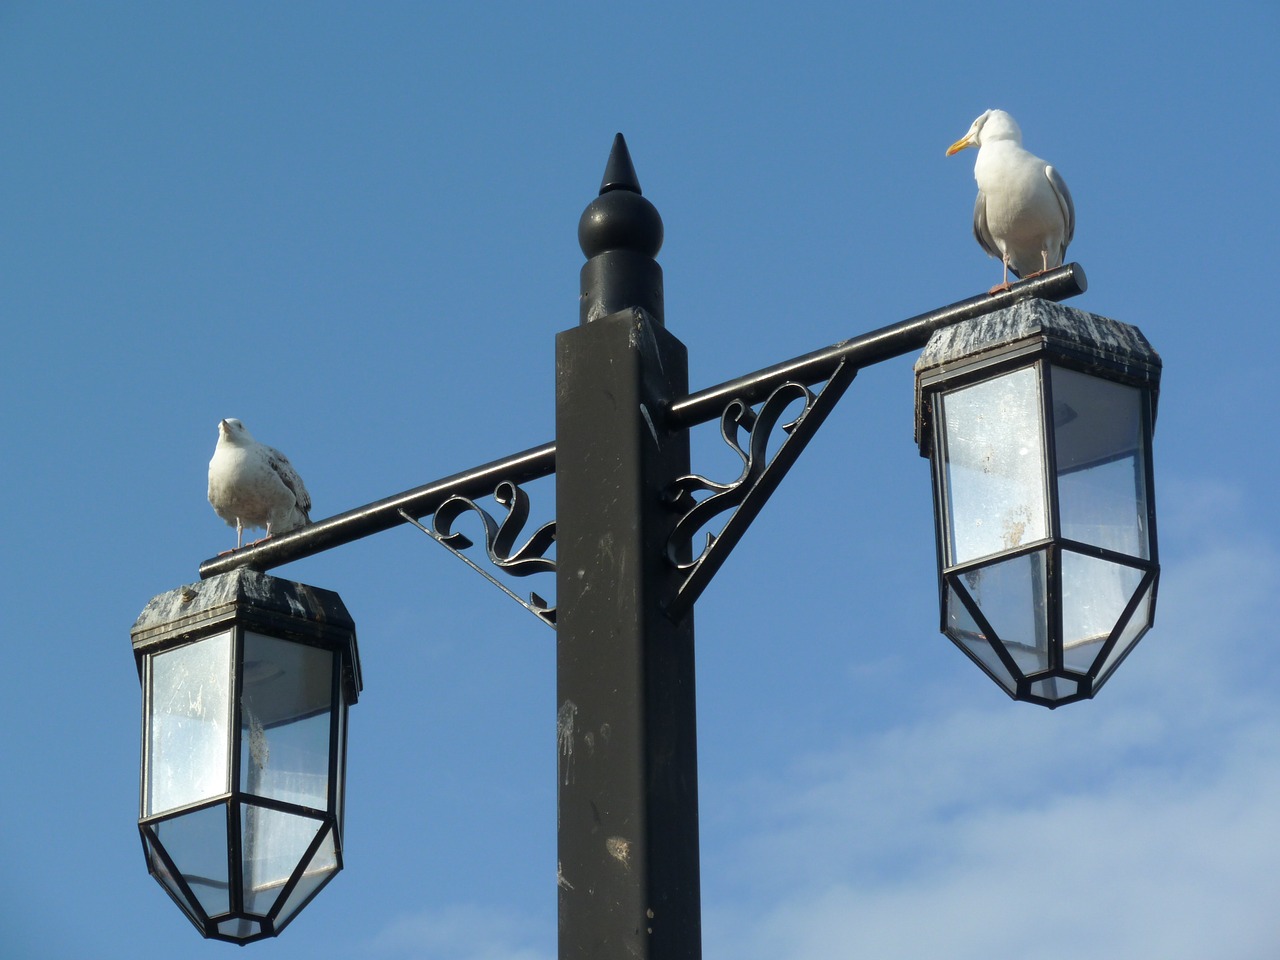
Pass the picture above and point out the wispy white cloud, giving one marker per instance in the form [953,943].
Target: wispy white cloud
[1164,866]
[1142,824]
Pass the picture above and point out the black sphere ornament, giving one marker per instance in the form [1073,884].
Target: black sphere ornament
[620,233]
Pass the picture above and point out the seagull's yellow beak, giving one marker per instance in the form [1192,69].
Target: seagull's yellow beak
[959,145]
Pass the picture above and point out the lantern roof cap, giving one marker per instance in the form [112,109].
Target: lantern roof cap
[1017,335]
[255,599]
[1057,328]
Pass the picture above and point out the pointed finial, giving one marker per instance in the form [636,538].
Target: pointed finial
[620,233]
[620,218]
[620,172]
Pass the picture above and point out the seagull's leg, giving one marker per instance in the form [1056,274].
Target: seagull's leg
[1003,285]
[1044,260]
[264,538]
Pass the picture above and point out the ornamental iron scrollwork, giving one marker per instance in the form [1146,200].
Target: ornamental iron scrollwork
[736,418]
[760,476]
[500,542]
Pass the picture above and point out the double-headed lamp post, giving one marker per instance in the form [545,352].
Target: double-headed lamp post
[1037,419]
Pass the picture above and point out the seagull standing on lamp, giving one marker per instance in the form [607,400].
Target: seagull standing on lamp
[1038,421]
[1024,215]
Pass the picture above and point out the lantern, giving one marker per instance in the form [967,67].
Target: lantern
[246,681]
[1038,421]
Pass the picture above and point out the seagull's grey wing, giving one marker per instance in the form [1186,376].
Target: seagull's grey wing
[289,477]
[1065,204]
[980,229]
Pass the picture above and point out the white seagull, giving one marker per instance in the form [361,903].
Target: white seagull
[1024,214]
[253,485]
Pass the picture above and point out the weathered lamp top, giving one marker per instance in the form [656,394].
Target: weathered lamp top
[1096,343]
[255,598]
[1064,328]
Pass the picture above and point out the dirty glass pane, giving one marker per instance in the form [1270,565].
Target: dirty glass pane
[274,846]
[1094,595]
[1133,631]
[318,872]
[188,719]
[962,628]
[1013,596]
[993,466]
[1102,490]
[284,721]
[1055,688]
[241,928]
[197,842]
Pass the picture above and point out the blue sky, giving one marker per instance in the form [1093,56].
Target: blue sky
[354,227]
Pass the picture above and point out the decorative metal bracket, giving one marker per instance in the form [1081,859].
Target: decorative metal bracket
[761,474]
[500,539]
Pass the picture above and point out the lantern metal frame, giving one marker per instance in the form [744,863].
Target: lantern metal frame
[1040,336]
[247,607]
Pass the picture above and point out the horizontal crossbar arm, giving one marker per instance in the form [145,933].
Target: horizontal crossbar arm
[870,348]
[380,515]
[528,465]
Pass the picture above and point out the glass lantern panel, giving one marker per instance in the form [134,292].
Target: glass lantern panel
[197,844]
[1094,595]
[160,870]
[284,721]
[241,928]
[1055,688]
[993,465]
[964,630]
[1102,488]
[1013,596]
[340,771]
[275,844]
[188,718]
[319,871]
[1133,631]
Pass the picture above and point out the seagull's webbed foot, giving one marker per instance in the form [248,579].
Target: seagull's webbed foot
[1044,260]
[1004,284]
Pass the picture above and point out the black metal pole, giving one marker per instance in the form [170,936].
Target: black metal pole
[627,744]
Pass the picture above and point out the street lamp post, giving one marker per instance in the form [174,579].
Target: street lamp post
[638,536]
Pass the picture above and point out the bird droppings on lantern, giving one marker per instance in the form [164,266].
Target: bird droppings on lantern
[1038,422]
[246,681]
